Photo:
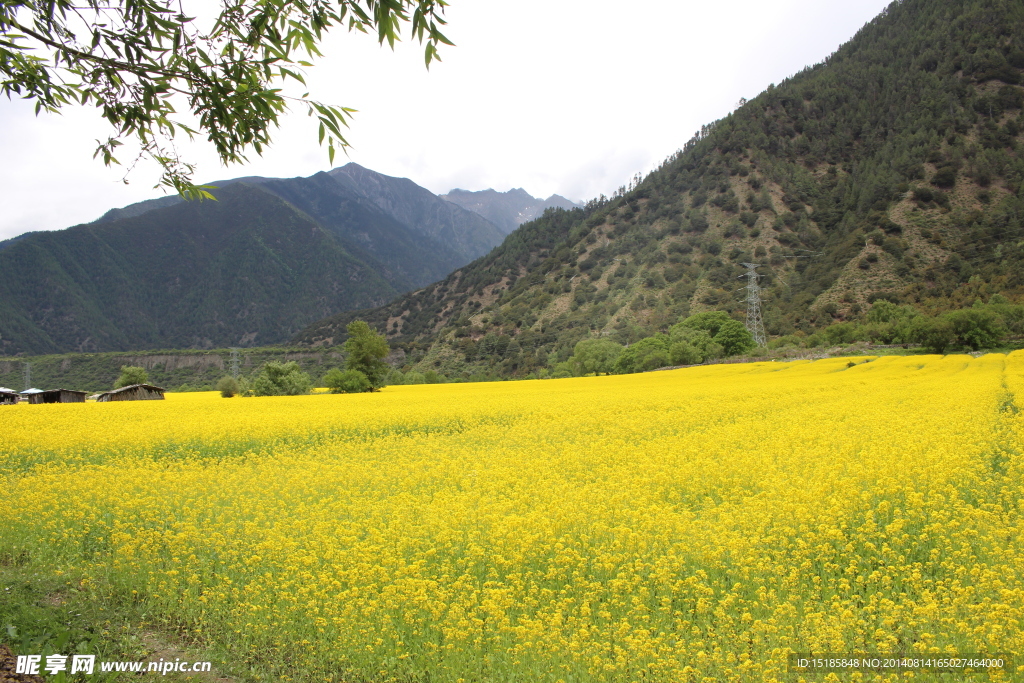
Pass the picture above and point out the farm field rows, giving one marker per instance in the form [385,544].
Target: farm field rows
[687,525]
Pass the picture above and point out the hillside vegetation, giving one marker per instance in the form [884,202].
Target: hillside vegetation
[891,170]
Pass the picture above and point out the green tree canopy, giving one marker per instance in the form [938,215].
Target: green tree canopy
[689,346]
[734,338]
[346,382]
[646,354]
[137,61]
[976,328]
[883,311]
[935,334]
[710,321]
[840,333]
[366,351]
[282,379]
[130,375]
[228,387]
[891,323]
[596,355]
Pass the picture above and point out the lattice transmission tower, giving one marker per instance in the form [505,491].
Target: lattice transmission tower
[754,321]
[234,362]
[28,376]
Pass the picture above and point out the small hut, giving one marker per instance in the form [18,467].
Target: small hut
[57,396]
[133,392]
[8,397]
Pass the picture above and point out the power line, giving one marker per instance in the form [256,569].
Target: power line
[754,322]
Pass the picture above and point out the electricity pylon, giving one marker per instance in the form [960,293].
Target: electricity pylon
[754,322]
[234,362]
[28,376]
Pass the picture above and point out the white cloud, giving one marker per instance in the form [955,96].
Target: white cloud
[555,96]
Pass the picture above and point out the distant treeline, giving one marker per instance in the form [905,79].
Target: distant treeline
[176,370]
[709,337]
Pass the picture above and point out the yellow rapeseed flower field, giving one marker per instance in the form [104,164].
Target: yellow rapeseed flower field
[689,525]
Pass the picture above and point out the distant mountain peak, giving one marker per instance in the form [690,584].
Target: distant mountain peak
[507,210]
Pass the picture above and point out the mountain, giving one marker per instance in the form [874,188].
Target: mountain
[893,169]
[243,269]
[139,208]
[507,210]
[465,232]
[4,244]
[405,255]
[264,260]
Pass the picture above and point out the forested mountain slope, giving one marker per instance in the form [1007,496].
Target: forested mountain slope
[466,233]
[404,255]
[346,195]
[892,169]
[266,259]
[246,269]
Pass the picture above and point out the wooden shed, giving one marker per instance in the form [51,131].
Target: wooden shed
[57,396]
[133,392]
[8,397]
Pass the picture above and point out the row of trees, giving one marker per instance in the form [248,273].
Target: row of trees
[365,370]
[697,339]
[711,335]
[983,326]
[694,340]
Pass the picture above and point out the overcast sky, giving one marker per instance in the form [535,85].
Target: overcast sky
[555,96]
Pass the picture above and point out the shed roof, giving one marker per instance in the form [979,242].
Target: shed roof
[151,387]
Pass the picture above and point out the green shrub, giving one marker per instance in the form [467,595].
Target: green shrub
[935,334]
[841,333]
[560,371]
[434,377]
[945,177]
[346,382]
[789,340]
[281,379]
[228,387]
